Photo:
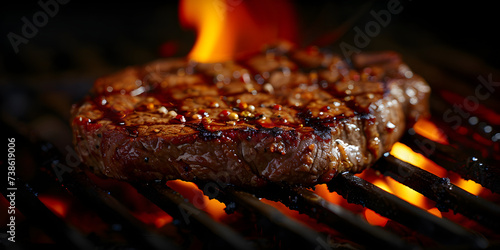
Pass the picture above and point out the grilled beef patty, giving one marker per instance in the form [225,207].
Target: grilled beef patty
[292,116]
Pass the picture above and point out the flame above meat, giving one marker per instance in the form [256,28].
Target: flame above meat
[228,29]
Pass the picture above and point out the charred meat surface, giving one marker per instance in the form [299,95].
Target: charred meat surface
[291,116]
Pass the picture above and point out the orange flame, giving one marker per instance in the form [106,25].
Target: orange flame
[322,190]
[428,129]
[196,197]
[403,152]
[435,211]
[371,216]
[210,27]
[468,185]
[407,193]
[226,29]
[375,219]
[400,190]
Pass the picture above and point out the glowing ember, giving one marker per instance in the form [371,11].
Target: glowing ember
[469,185]
[435,212]
[374,218]
[408,194]
[302,218]
[195,196]
[158,219]
[215,208]
[163,220]
[57,205]
[431,131]
[405,153]
[371,216]
[394,187]
[381,183]
[322,190]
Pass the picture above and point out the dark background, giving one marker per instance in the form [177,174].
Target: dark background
[85,40]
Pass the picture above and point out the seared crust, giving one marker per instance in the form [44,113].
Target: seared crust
[298,117]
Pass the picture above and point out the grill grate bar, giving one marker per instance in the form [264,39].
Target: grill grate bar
[175,205]
[452,159]
[279,219]
[236,199]
[446,195]
[39,215]
[441,108]
[341,219]
[115,213]
[335,216]
[108,208]
[359,191]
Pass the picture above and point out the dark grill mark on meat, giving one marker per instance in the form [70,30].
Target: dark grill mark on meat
[257,120]
[323,132]
[205,134]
